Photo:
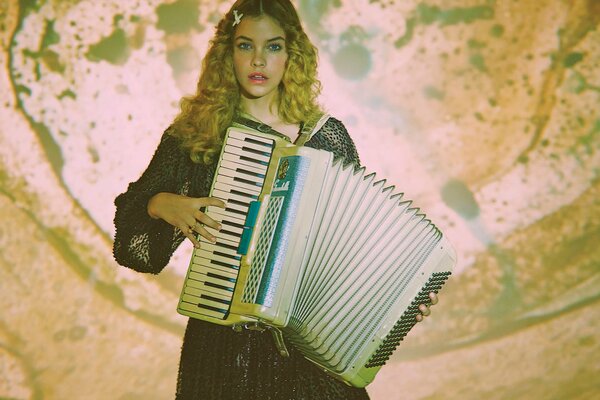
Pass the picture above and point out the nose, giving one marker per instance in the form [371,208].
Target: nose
[258,60]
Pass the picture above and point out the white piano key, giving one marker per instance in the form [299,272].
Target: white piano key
[223,234]
[221,271]
[231,215]
[225,286]
[207,257]
[229,197]
[248,146]
[250,168]
[193,307]
[206,254]
[236,158]
[202,265]
[267,143]
[239,192]
[238,174]
[192,286]
[221,249]
[256,158]
[227,180]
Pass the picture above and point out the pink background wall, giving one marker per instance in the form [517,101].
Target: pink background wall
[485,112]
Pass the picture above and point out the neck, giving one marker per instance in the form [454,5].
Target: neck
[261,109]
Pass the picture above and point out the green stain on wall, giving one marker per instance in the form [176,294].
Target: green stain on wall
[49,57]
[181,59]
[26,6]
[572,58]
[67,93]
[178,17]
[52,149]
[452,16]
[434,93]
[476,44]
[113,49]
[459,197]
[52,61]
[577,83]
[427,15]
[497,31]
[23,89]
[478,62]
[592,139]
[50,36]
[411,23]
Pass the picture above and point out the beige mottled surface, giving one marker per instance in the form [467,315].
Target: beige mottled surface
[487,113]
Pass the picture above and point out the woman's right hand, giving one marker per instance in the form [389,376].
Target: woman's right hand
[184,213]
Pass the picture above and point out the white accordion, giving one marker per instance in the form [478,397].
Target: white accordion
[317,250]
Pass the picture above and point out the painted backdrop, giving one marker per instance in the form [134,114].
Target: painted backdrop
[485,112]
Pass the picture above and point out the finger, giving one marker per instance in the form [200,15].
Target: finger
[434,298]
[189,233]
[424,310]
[202,231]
[211,201]
[206,220]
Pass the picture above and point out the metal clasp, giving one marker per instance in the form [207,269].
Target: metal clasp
[260,327]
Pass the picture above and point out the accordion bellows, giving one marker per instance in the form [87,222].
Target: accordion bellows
[330,255]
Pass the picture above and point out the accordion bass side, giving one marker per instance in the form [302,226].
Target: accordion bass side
[324,252]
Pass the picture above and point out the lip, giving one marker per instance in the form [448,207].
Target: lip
[257,77]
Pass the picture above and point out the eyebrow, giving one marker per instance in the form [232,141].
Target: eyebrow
[269,40]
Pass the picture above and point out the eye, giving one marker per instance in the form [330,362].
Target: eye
[244,46]
[275,47]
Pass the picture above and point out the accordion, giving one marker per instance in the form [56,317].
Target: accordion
[331,258]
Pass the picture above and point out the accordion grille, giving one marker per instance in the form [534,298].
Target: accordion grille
[263,248]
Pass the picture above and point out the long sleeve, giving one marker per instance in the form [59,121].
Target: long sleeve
[334,137]
[141,242]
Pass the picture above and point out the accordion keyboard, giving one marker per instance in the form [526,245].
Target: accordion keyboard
[214,267]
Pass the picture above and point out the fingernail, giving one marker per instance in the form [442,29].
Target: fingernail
[213,239]
[219,227]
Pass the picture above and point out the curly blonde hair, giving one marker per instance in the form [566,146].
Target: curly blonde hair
[206,115]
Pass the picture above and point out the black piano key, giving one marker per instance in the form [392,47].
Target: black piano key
[218,253]
[245,171]
[221,277]
[260,153]
[244,194]
[207,307]
[253,160]
[225,245]
[216,286]
[239,203]
[226,232]
[222,264]
[246,181]
[250,140]
[230,223]
[234,211]
[216,299]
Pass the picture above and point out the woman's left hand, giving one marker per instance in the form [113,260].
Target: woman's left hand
[426,310]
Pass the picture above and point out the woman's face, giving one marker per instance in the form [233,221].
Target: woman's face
[259,57]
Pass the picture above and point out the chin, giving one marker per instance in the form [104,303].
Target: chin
[256,94]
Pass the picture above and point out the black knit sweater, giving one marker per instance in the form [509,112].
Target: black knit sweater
[216,362]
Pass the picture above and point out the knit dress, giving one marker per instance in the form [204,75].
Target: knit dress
[217,362]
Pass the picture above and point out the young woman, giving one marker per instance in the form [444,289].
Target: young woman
[260,70]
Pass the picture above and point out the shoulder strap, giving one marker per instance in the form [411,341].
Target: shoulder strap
[310,128]
[258,126]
